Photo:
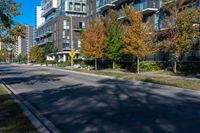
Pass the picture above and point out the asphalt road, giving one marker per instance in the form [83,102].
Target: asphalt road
[78,103]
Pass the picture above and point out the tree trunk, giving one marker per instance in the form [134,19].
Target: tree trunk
[138,65]
[95,63]
[175,64]
[113,64]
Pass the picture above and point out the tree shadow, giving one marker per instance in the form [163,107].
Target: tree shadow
[12,77]
[31,80]
[108,105]
[118,106]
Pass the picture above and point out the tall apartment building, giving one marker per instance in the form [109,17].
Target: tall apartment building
[25,43]
[39,19]
[63,23]
[151,9]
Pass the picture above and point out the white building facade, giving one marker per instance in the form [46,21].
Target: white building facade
[39,19]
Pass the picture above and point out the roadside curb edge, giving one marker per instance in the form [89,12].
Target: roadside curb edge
[42,124]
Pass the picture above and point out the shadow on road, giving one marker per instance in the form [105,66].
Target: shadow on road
[113,106]
[117,106]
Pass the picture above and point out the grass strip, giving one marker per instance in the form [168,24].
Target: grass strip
[12,118]
[176,82]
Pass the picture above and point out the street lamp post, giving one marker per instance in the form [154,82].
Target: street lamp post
[72,43]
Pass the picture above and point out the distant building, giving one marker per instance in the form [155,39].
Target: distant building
[64,21]
[25,43]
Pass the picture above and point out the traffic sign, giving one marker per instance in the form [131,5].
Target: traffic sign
[72,54]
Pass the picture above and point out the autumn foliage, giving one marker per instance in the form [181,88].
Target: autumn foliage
[93,41]
[138,37]
[111,39]
[179,31]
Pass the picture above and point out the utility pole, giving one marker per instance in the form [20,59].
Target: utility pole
[72,43]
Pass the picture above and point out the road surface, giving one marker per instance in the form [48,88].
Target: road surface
[78,103]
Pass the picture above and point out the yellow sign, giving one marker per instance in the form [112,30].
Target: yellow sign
[72,54]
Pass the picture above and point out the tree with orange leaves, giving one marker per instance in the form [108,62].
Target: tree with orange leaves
[93,41]
[179,30]
[138,37]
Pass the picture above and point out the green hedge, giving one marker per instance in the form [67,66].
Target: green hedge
[53,62]
[64,64]
[188,67]
[145,67]
[149,66]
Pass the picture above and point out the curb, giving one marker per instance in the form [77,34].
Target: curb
[82,73]
[42,124]
[110,77]
[122,79]
[66,70]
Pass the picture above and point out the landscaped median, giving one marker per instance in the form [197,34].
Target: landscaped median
[165,80]
[12,118]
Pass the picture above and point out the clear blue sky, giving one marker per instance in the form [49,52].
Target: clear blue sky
[28,11]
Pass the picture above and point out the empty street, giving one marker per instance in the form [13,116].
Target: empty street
[80,103]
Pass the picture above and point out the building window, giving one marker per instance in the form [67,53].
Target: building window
[70,6]
[83,8]
[63,34]
[77,7]
[66,24]
[82,25]
[79,44]
[66,44]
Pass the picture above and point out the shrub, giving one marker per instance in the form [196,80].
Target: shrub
[83,64]
[67,63]
[64,64]
[77,61]
[21,58]
[53,62]
[147,66]
[188,67]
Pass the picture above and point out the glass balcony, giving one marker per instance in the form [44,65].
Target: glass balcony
[43,42]
[104,5]
[120,14]
[146,7]
[48,7]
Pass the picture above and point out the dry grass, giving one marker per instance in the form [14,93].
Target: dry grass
[12,119]
[177,82]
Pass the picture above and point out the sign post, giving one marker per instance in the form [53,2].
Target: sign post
[72,54]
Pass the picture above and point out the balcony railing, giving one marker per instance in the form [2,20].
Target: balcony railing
[78,1]
[43,42]
[104,5]
[48,11]
[120,14]
[146,7]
